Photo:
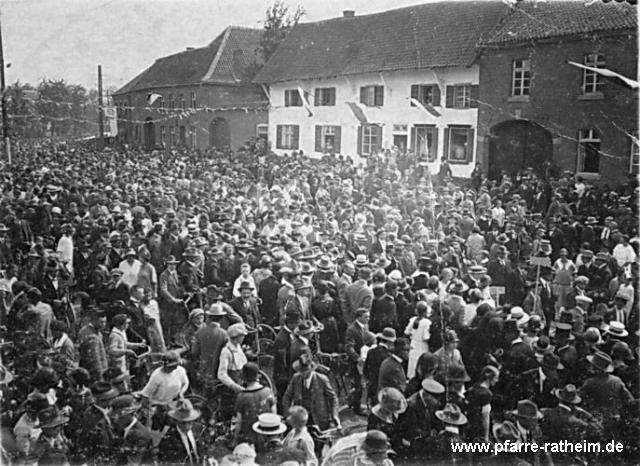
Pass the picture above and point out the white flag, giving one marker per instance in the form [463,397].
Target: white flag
[610,74]
[151,98]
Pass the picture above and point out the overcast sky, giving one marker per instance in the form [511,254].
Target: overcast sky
[69,38]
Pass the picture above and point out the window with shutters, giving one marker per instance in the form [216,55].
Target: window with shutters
[634,159]
[287,136]
[589,151]
[194,103]
[370,139]
[372,96]
[592,81]
[328,139]
[292,98]
[425,142]
[325,96]
[521,80]
[462,96]
[163,135]
[193,141]
[458,141]
[426,94]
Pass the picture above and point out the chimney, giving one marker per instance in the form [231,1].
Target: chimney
[348,14]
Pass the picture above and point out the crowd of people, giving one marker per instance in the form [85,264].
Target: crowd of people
[136,283]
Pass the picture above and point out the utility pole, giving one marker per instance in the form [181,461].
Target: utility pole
[5,114]
[100,110]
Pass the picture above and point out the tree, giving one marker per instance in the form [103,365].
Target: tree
[278,23]
[21,106]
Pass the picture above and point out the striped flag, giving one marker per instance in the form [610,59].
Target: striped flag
[305,102]
[633,84]
[425,106]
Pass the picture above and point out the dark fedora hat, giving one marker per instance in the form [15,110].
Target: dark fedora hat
[568,394]
[103,391]
[527,409]
[50,417]
[245,285]
[601,361]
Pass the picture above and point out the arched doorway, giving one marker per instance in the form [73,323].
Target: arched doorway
[518,144]
[149,133]
[219,133]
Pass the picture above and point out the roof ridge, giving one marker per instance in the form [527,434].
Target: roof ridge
[216,58]
[392,10]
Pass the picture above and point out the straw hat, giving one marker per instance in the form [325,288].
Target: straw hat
[617,329]
[269,424]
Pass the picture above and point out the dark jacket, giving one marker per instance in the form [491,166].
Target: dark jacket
[372,364]
[392,375]
[322,401]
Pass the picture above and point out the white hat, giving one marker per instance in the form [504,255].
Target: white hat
[269,424]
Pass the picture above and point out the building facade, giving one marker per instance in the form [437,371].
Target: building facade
[537,109]
[198,98]
[357,85]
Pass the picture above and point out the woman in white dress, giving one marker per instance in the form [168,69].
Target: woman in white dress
[418,330]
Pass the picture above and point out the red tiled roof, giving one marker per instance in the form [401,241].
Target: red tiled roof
[530,20]
[212,64]
[432,35]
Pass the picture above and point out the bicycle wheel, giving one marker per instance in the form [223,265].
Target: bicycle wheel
[266,332]
[265,381]
[207,408]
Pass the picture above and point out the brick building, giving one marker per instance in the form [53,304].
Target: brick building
[201,97]
[534,107]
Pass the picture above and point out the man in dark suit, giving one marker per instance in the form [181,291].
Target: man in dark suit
[355,336]
[182,444]
[358,295]
[375,357]
[268,293]
[499,269]
[282,364]
[172,311]
[518,355]
[96,440]
[383,309]
[246,306]
[314,392]
[546,295]
[392,373]
[539,384]
[207,346]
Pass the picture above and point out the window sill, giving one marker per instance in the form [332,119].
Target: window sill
[458,162]
[591,96]
[518,98]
